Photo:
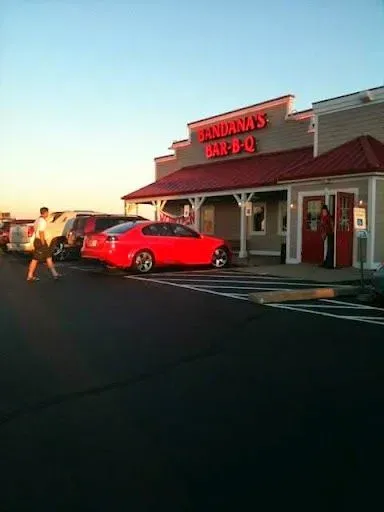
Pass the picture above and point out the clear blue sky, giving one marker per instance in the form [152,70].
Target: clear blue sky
[92,90]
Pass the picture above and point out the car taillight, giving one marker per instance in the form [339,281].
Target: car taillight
[30,231]
[112,239]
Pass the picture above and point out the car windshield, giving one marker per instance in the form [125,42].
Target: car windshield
[121,228]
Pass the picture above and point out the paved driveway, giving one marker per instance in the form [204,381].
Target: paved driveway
[122,394]
[237,285]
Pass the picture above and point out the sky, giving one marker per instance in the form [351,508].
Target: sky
[92,90]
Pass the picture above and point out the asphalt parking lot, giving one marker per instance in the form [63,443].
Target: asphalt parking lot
[121,393]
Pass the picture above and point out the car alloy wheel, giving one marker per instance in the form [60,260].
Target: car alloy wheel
[220,257]
[58,251]
[143,262]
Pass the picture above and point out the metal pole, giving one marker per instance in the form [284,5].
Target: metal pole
[361,262]
[243,228]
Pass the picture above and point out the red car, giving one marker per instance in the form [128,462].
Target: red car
[142,245]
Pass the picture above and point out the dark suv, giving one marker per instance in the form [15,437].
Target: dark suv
[91,224]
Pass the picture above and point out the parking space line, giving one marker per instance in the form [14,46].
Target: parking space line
[238,286]
[361,306]
[186,286]
[241,281]
[356,306]
[369,320]
[242,287]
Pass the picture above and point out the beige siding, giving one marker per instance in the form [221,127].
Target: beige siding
[164,168]
[227,219]
[280,134]
[379,229]
[361,185]
[338,127]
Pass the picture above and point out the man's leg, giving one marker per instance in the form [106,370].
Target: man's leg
[51,267]
[32,269]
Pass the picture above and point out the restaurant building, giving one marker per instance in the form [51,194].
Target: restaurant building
[259,175]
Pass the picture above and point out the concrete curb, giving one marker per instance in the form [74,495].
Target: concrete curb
[308,294]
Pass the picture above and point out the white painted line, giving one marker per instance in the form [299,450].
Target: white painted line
[371,318]
[321,313]
[85,269]
[243,287]
[325,306]
[362,306]
[248,281]
[187,287]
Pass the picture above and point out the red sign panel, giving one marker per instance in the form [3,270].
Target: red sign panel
[225,129]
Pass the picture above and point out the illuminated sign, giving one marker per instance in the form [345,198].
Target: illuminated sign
[225,129]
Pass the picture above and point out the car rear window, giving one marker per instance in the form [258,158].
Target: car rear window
[103,223]
[121,228]
[79,223]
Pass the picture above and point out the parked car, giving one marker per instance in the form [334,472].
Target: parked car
[143,245]
[21,237]
[378,281]
[86,225]
[5,228]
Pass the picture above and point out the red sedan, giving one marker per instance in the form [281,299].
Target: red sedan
[142,245]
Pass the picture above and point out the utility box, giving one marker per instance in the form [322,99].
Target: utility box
[283,253]
[362,239]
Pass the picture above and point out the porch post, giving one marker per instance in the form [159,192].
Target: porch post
[289,220]
[196,203]
[159,205]
[371,214]
[241,200]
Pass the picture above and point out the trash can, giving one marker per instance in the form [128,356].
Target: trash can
[283,253]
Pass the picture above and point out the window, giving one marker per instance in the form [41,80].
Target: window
[79,224]
[55,216]
[313,217]
[282,226]
[157,230]
[259,215]
[182,231]
[121,228]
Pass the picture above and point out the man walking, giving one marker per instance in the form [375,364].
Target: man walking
[41,249]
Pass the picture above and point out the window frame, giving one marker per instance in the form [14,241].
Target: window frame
[194,234]
[281,211]
[159,225]
[259,233]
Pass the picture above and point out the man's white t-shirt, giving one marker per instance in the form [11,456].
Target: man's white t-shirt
[39,225]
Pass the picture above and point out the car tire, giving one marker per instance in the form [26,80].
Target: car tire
[143,262]
[59,252]
[220,257]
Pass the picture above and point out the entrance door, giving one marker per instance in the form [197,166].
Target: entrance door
[344,229]
[208,219]
[312,250]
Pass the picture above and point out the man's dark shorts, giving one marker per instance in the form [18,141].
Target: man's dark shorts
[41,251]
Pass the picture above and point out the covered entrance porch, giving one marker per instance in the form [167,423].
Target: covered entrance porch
[253,221]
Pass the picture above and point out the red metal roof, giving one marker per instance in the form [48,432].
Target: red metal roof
[253,171]
[361,155]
